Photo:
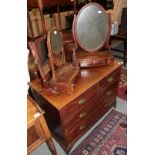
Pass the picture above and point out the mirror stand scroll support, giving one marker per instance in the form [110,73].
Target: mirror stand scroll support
[75,1]
[51,57]
[62,49]
[74,38]
[59,18]
[108,35]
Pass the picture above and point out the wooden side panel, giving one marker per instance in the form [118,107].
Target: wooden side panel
[33,136]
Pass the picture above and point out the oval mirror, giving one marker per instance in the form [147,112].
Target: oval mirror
[91,27]
[56,46]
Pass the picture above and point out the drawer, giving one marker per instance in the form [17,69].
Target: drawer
[78,130]
[85,125]
[109,81]
[99,105]
[109,97]
[80,102]
[80,114]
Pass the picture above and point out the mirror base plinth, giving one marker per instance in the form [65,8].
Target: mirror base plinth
[94,59]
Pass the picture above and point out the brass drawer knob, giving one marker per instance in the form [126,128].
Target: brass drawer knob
[108,104]
[82,101]
[83,114]
[110,79]
[101,88]
[108,93]
[82,127]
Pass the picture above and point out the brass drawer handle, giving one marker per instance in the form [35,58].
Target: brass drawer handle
[83,114]
[108,104]
[108,93]
[101,88]
[82,101]
[82,127]
[110,79]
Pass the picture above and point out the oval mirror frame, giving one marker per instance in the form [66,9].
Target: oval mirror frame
[81,24]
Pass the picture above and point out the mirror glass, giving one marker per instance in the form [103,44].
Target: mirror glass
[56,42]
[56,45]
[91,27]
[43,52]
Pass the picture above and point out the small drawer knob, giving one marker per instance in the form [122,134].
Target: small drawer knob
[82,101]
[108,93]
[110,79]
[108,104]
[82,127]
[83,114]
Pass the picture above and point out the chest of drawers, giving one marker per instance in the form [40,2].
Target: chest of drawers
[70,116]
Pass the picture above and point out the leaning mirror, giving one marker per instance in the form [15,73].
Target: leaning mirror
[56,47]
[91,31]
[63,73]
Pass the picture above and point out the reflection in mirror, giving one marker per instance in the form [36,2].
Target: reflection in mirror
[91,27]
[56,47]
[56,42]
[42,51]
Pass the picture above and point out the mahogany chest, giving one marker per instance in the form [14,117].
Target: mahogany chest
[70,116]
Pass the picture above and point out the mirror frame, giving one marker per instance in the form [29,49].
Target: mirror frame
[50,82]
[32,45]
[51,53]
[75,35]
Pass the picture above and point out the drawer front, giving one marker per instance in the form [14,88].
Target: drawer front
[109,97]
[79,103]
[35,136]
[104,103]
[79,129]
[109,81]
[80,115]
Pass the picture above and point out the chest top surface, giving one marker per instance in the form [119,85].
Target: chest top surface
[32,110]
[88,78]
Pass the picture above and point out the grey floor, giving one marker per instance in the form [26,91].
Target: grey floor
[121,106]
